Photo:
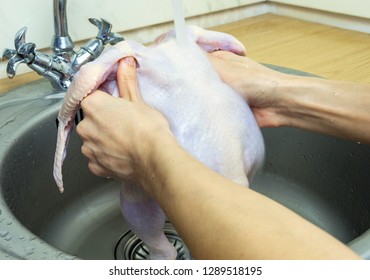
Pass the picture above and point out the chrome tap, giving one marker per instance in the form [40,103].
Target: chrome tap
[61,44]
[60,66]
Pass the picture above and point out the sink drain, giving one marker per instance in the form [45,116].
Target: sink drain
[130,247]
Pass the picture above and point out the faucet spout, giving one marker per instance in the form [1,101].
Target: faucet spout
[60,18]
[61,44]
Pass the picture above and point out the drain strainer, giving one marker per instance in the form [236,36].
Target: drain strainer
[130,247]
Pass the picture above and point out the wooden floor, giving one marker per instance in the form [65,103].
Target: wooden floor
[322,50]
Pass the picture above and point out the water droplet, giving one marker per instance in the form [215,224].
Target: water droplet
[358,142]
[4,233]
[8,238]
[32,238]
[29,251]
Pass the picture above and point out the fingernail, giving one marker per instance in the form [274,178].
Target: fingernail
[129,60]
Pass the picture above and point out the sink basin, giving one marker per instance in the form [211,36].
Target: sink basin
[322,178]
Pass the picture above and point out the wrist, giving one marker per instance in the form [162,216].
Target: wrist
[153,158]
[271,98]
[287,93]
[308,103]
[297,100]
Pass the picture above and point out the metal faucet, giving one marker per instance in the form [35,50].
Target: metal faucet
[60,66]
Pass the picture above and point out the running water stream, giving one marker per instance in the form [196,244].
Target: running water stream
[180,27]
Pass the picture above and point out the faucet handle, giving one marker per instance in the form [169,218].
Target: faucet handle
[94,47]
[105,33]
[23,53]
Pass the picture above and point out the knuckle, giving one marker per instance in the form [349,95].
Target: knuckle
[79,129]
[84,150]
[96,169]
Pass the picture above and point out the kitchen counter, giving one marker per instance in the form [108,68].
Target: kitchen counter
[326,51]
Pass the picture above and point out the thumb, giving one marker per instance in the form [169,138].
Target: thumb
[127,80]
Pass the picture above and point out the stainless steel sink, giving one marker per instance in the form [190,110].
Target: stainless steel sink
[324,179]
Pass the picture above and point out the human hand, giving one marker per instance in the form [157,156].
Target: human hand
[118,133]
[256,83]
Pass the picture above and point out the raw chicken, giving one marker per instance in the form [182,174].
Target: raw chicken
[209,119]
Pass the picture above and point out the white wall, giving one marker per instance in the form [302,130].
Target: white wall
[126,15]
[123,14]
[360,8]
[336,19]
[129,14]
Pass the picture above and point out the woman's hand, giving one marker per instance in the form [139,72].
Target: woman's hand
[255,82]
[118,132]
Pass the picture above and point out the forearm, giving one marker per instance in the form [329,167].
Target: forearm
[337,108]
[219,219]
